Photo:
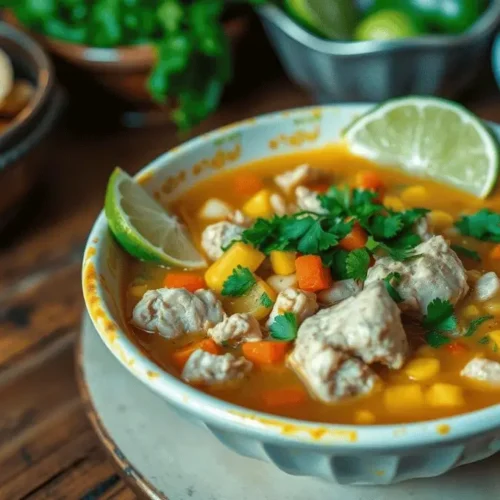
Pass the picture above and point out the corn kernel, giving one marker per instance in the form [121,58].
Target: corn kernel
[471,311]
[394,203]
[495,337]
[439,219]
[259,205]
[364,417]
[404,397]
[426,351]
[137,291]
[283,262]
[493,307]
[415,195]
[239,254]
[441,394]
[422,368]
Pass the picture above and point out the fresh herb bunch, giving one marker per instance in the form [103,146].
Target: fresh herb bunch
[194,58]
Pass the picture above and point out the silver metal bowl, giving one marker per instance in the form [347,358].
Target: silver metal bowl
[377,70]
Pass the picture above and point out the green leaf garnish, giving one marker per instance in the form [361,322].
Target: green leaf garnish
[265,300]
[390,281]
[440,318]
[475,324]
[239,282]
[383,227]
[466,252]
[483,225]
[484,340]
[437,339]
[284,327]
[357,264]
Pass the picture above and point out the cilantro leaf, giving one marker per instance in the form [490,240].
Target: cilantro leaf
[385,227]
[338,264]
[262,233]
[357,264]
[413,215]
[391,280]
[239,282]
[406,240]
[484,340]
[437,339]
[296,228]
[284,327]
[483,225]
[440,316]
[475,324]
[466,252]
[265,300]
[399,254]
[316,239]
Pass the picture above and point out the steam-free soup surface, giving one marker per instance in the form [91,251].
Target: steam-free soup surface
[401,395]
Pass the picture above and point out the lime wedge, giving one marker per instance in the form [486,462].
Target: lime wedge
[431,137]
[333,19]
[144,228]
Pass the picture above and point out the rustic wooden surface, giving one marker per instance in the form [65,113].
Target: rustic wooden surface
[47,446]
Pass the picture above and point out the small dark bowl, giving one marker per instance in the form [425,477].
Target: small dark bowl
[22,143]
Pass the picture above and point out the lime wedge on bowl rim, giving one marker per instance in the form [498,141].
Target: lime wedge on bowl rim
[144,228]
[430,137]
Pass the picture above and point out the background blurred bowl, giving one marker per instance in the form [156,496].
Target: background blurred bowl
[377,70]
[22,143]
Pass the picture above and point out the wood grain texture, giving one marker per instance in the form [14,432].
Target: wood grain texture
[48,449]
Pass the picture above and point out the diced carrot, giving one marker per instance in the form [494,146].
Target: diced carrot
[311,274]
[180,357]
[370,181]
[286,396]
[495,252]
[265,351]
[457,348]
[190,281]
[321,187]
[357,238]
[247,184]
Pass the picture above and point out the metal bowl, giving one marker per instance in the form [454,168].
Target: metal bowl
[376,70]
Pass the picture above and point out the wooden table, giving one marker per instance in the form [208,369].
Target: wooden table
[47,447]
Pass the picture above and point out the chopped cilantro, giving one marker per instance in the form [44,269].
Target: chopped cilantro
[384,227]
[316,240]
[483,225]
[399,254]
[265,300]
[475,324]
[239,282]
[495,347]
[284,327]
[357,264]
[338,264]
[390,281]
[440,318]
[484,340]
[412,216]
[466,252]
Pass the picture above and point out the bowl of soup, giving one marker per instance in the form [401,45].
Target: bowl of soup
[288,339]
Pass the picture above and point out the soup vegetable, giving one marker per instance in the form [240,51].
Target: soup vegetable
[336,291]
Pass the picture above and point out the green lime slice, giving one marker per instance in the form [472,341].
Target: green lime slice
[432,137]
[387,25]
[144,228]
[334,19]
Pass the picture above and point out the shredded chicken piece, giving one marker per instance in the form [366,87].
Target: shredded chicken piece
[240,327]
[308,201]
[290,179]
[482,370]
[216,237]
[303,304]
[338,292]
[487,286]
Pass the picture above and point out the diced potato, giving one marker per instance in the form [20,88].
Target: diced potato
[252,302]
[495,337]
[471,311]
[394,203]
[240,254]
[283,262]
[492,307]
[259,205]
[137,291]
[422,368]
[215,209]
[364,417]
[279,283]
[415,195]
[440,219]
[441,394]
[403,398]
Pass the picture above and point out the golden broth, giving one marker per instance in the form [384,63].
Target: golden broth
[343,168]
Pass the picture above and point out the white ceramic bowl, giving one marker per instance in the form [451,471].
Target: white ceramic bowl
[347,454]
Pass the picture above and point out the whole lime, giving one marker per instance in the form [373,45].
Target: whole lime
[387,25]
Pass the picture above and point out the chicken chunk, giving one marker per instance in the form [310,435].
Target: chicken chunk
[205,368]
[487,286]
[308,201]
[482,370]
[240,327]
[240,219]
[437,272]
[290,179]
[217,236]
[171,312]
[278,204]
[421,228]
[340,291]
[302,304]
[367,325]
[332,375]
